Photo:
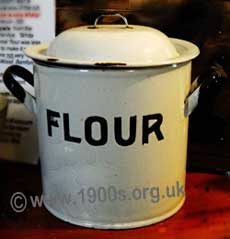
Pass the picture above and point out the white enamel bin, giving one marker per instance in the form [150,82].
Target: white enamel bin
[112,107]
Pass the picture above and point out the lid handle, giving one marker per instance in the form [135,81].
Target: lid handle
[111,15]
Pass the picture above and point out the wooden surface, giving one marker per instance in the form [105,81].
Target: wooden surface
[205,215]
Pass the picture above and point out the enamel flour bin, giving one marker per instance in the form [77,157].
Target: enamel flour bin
[112,120]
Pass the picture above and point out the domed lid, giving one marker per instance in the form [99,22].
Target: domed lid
[114,45]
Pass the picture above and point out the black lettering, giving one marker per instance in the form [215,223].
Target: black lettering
[88,130]
[153,128]
[118,131]
[50,120]
[67,135]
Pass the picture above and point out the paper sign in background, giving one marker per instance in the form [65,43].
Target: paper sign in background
[22,23]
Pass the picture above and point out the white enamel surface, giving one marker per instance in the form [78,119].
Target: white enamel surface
[113,43]
[68,167]
[127,225]
[127,47]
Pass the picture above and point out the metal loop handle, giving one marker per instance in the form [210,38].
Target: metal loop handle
[13,86]
[111,15]
[16,89]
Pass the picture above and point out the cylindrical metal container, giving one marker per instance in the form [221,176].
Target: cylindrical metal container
[111,121]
